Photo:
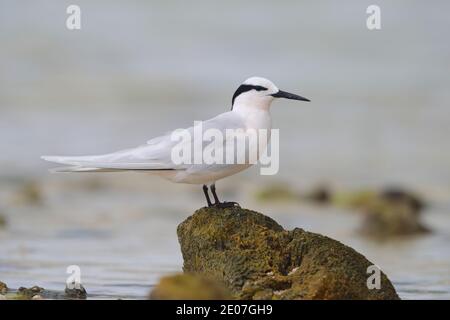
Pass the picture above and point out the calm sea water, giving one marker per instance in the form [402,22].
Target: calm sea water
[379,116]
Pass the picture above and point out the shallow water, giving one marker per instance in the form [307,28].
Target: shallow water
[121,232]
[379,116]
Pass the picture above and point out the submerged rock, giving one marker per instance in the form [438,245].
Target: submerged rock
[75,293]
[189,287]
[255,258]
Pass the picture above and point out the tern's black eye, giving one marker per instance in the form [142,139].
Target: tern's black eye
[246,87]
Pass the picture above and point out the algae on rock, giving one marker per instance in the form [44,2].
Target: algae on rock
[255,258]
[189,286]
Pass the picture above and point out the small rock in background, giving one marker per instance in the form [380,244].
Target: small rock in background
[389,213]
[2,297]
[29,193]
[319,195]
[393,213]
[257,259]
[3,288]
[76,293]
[282,193]
[277,192]
[29,293]
[398,195]
[189,287]
[356,200]
[37,297]
[2,221]
[94,183]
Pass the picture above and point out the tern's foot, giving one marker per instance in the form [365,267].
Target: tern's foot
[226,204]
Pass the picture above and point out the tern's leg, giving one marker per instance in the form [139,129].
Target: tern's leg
[205,191]
[213,191]
[217,202]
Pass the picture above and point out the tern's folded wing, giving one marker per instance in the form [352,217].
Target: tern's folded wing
[156,154]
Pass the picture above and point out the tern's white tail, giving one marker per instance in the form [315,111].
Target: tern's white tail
[75,161]
[102,163]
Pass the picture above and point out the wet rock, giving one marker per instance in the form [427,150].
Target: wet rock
[277,192]
[385,219]
[75,293]
[257,259]
[28,293]
[3,288]
[189,287]
[389,213]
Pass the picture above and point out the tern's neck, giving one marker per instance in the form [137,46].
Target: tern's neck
[248,109]
[256,118]
[249,102]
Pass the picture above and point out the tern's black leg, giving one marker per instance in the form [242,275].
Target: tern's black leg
[205,191]
[213,191]
[217,202]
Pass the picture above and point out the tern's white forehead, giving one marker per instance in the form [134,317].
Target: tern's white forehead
[263,82]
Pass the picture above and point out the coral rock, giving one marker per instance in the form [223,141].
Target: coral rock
[257,259]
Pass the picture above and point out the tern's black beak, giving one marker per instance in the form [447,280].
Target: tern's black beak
[287,95]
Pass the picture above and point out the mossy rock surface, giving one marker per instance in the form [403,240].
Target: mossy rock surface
[255,258]
[189,286]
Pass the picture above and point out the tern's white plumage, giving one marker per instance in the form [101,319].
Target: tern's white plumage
[250,110]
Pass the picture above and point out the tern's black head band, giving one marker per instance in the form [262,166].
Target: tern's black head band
[244,88]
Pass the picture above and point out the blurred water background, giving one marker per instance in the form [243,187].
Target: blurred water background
[379,116]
